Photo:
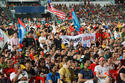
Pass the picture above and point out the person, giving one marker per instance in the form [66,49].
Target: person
[121,75]
[102,72]
[42,69]
[19,76]
[94,64]
[57,41]
[28,68]
[29,40]
[85,75]
[42,39]
[66,74]
[53,76]
[2,62]
[14,40]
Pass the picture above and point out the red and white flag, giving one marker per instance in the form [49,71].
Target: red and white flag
[60,14]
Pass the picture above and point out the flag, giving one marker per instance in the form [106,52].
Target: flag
[60,14]
[59,22]
[21,32]
[3,39]
[75,20]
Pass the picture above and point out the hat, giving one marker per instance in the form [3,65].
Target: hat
[102,59]
[19,50]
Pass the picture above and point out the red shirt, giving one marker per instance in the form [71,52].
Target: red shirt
[92,67]
[8,71]
[31,56]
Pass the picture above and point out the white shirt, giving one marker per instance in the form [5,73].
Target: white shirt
[54,29]
[41,38]
[101,70]
[14,41]
[23,74]
[116,35]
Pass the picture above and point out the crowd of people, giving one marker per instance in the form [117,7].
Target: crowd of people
[44,54]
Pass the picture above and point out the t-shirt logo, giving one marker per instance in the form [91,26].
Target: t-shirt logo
[1,37]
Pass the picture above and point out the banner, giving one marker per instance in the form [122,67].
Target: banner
[30,9]
[85,39]
[3,39]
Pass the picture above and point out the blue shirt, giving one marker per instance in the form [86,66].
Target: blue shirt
[87,74]
[53,78]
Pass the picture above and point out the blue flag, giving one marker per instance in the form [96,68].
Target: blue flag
[75,20]
[21,30]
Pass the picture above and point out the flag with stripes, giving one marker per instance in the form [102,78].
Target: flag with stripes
[51,9]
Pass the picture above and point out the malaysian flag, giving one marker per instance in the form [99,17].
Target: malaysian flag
[60,14]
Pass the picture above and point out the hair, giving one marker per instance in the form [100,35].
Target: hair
[51,67]
[17,64]
[28,61]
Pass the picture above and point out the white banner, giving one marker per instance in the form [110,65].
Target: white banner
[83,38]
[3,39]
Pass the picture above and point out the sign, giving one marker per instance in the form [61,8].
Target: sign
[30,9]
[85,39]
[3,39]
[22,0]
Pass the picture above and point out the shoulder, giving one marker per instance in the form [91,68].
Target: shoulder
[122,70]
[62,70]
[97,67]
[13,73]
[81,71]
[57,74]
[49,74]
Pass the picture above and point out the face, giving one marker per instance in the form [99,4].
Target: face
[102,62]
[109,60]
[15,35]
[2,59]
[32,50]
[62,52]
[123,55]
[17,67]
[57,35]
[54,69]
[30,34]
[28,65]
[87,64]
[69,62]
[96,60]
[9,63]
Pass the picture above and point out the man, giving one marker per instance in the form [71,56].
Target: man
[9,68]
[66,74]
[121,75]
[57,41]
[42,39]
[14,40]
[102,72]
[94,64]
[19,76]
[53,76]
[28,68]
[29,41]
[85,75]
[2,62]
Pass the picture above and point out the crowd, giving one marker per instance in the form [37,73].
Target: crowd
[44,54]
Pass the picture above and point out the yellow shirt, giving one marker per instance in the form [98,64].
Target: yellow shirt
[67,74]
